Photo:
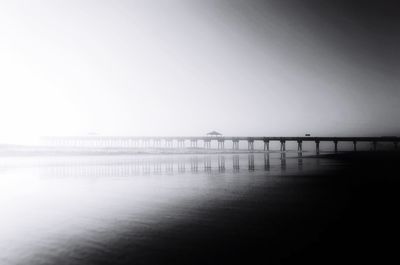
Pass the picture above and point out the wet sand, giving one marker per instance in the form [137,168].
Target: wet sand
[345,215]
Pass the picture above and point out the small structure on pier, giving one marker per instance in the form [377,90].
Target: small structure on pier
[214,133]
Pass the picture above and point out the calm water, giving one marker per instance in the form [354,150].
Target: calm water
[67,208]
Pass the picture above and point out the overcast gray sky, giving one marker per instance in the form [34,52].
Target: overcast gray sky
[188,67]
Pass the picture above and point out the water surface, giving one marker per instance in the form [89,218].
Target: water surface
[97,209]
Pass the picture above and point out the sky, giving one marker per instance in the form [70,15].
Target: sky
[259,68]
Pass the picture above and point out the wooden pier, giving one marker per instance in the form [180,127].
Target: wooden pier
[183,142]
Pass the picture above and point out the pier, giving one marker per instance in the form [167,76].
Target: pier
[205,142]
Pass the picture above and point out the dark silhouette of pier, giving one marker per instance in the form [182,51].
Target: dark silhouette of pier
[182,142]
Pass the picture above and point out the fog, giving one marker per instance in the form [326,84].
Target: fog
[188,67]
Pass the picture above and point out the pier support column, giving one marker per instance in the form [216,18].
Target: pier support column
[317,147]
[283,145]
[193,143]
[207,144]
[396,145]
[266,145]
[221,144]
[355,145]
[250,145]
[181,143]
[336,146]
[235,144]
[299,146]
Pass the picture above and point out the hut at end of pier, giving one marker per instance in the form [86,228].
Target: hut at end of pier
[214,133]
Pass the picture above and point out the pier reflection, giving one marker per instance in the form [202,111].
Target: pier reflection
[181,167]
[283,160]
[157,168]
[251,162]
[169,167]
[236,163]
[194,164]
[300,161]
[266,162]
[207,164]
[221,164]
[112,166]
